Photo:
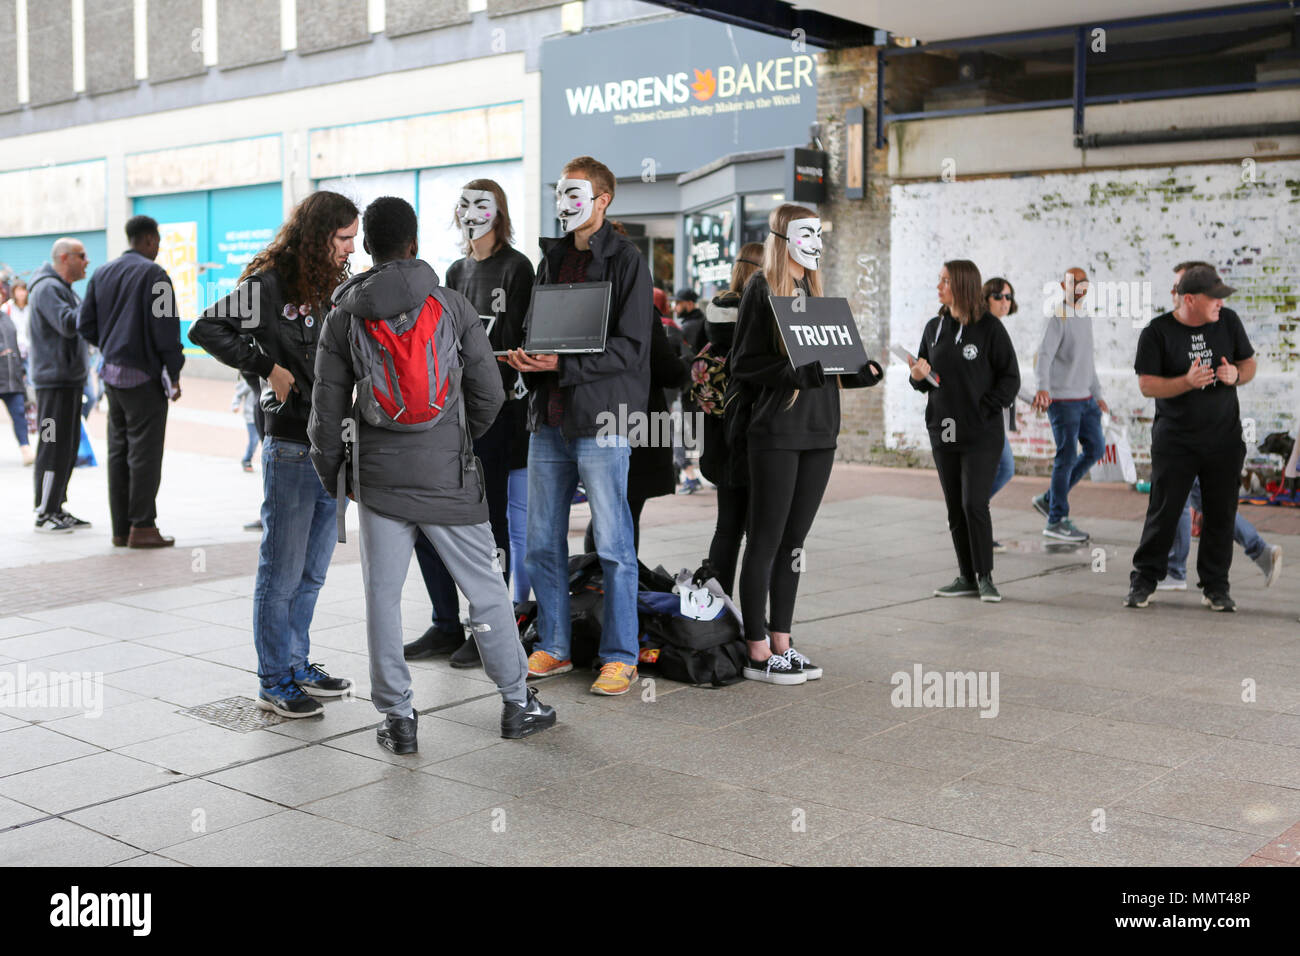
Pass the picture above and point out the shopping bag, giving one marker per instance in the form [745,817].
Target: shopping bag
[1116,462]
[85,452]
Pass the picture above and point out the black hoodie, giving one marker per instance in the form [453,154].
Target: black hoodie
[978,377]
[758,364]
[432,476]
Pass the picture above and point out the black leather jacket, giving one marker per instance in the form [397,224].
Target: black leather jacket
[248,330]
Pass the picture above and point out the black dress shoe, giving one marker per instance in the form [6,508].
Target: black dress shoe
[398,734]
[466,655]
[519,721]
[436,640]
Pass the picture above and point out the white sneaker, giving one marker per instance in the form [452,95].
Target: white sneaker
[1270,562]
[801,663]
[1172,584]
[776,670]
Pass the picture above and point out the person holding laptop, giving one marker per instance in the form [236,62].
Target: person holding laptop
[568,394]
[786,420]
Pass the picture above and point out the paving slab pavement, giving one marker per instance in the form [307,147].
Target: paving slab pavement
[1169,736]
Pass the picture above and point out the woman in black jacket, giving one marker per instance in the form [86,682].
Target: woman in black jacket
[968,352]
[269,326]
[793,424]
[728,473]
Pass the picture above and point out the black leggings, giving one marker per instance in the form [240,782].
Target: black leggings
[733,508]
[785,490]
[966,475]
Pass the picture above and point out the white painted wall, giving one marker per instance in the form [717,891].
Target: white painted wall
[1127,226]
[1044,139]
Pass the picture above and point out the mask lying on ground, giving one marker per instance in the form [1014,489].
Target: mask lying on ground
[476,211]
[803,237]
[573,203]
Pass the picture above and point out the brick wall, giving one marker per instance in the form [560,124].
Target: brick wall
[857,257]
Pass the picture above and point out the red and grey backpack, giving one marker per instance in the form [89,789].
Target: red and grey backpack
[408,371]
[408,374]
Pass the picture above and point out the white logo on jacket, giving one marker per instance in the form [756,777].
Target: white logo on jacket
[970,352]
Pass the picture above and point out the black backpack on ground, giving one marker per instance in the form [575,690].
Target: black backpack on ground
[693,652]
[697,652]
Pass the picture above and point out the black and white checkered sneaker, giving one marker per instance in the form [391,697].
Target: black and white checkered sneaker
[775,670]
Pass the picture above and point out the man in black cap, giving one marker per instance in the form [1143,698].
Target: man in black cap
[1191,361]
[690,319]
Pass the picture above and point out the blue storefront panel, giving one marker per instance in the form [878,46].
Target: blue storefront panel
[208,238]
[25,254]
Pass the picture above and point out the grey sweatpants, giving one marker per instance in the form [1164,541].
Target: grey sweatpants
[469,553]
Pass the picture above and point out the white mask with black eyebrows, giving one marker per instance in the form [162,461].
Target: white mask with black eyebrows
[476,211]
[803,237]
[573,203]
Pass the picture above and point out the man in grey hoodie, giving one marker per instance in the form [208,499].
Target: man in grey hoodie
[1070,392]
[58,373]
[417,478]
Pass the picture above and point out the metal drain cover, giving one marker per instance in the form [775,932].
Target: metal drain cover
[240,714]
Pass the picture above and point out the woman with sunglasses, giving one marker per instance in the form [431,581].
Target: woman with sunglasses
[967,352]
[1000,298]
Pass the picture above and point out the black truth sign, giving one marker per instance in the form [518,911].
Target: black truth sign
[819,329]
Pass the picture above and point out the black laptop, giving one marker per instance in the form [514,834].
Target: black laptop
[568,318]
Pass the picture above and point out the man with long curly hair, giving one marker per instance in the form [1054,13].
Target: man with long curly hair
[269,326]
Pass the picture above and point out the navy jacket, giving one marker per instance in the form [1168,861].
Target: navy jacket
[130,313]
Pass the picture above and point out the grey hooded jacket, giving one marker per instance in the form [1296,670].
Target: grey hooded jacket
[57,355]
[431,476]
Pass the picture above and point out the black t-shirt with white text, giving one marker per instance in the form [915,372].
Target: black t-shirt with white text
[1205,417]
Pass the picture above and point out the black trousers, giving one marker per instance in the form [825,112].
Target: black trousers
[1172,474]
[493,450]
[137,426]
[733,514]
[966,475]
[785,491]
[58,422]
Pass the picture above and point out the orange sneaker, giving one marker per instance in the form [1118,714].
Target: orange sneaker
[614,679]
[542,664]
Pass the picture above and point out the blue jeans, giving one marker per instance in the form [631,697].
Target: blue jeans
[1006,468]
[1243,532]
[253,439]
[298,535]
[555,466]
[1073,423]
[517,515]
[16,402]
